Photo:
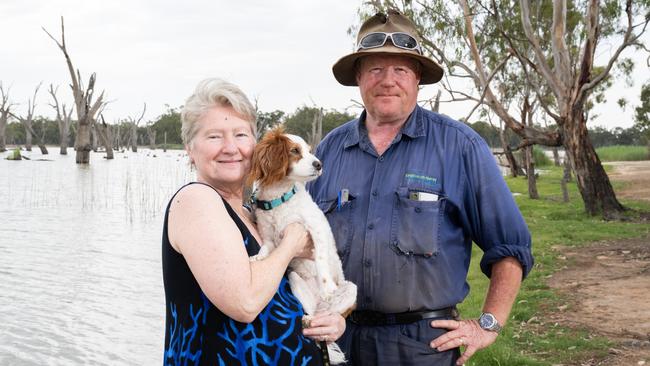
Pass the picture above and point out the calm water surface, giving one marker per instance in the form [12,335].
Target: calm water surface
[80,272]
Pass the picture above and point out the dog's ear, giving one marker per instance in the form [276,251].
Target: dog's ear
[270,159]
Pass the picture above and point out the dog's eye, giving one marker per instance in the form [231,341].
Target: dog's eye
[294,150]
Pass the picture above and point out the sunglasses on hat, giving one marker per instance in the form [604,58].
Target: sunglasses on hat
[398,39]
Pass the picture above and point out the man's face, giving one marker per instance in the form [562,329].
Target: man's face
[388,86]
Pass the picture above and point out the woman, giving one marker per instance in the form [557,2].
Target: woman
[223,309]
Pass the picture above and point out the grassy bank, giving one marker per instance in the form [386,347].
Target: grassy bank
[528,339]
[622,153]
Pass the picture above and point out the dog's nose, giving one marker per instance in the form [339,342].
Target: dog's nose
[317,165]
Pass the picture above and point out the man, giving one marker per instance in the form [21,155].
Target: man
[406,191]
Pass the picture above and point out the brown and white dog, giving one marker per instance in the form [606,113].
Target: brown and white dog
[281,166]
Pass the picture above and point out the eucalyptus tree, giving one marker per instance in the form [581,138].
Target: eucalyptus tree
[85,106]
[642,114]
[63,120]
[5,110]
[551,48]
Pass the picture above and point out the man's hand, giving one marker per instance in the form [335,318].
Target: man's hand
[467,333]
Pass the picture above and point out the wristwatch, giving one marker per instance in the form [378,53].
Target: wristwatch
[487,321]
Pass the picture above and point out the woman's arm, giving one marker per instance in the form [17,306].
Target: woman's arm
[200,228]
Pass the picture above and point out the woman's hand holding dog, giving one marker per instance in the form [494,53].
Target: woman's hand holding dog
[298,237]
[325,327]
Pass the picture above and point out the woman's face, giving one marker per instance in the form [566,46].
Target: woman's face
[222,148]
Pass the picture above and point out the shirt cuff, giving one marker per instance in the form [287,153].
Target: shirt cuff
[496,253]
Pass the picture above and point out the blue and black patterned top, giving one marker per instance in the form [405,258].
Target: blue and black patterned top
[197,333]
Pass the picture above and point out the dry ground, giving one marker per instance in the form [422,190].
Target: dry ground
[609,282]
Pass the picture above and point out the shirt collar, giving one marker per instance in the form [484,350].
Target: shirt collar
[414,127]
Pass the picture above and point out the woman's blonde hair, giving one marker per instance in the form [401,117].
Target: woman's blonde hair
[214,92]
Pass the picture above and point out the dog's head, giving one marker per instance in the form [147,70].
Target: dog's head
[279,156]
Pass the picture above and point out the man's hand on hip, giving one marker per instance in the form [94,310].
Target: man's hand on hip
[466,333]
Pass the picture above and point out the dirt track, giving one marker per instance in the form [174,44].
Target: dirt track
[609,282]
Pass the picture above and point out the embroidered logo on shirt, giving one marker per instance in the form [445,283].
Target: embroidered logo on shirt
[421,180]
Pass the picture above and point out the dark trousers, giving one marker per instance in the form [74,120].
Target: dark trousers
[394,345]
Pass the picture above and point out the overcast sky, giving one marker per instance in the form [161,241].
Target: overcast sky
[279,52]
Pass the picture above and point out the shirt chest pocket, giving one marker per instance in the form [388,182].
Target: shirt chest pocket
[415,222]
[339,216]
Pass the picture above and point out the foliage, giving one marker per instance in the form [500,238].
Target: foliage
[170,123]
[622,153]
[268,120]
[540,157]
[300,122]
[14,155]
[642,115]
[528,339]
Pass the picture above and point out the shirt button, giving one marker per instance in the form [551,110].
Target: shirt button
[367,263]
[417,209]
[374,193]
[371,226]
[381,158]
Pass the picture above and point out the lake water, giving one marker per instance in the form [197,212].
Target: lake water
[80,271]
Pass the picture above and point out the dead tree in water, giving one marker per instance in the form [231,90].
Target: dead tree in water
[151,135]
[63,120]
[105,134]
[29,129]
[133,137]
[316,128]
[83,100]
[5,110]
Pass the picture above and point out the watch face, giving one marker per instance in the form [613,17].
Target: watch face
[487,321]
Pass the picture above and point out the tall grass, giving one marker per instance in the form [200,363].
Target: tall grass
[623,153]
[528,338]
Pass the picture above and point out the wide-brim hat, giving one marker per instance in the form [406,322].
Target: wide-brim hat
[345,69]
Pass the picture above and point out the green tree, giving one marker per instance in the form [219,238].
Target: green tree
[15,133]
[300,122]
[549,49]
[642,115]
[170,123]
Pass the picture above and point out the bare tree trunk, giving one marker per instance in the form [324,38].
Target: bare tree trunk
[566,177]
[94,139]
[106,136]
[515,170]
[316,128]
[556,156]
[530,172]
[3,128]
[165,143]
[5,111]
[151,134]
[28,135]
[527,115]
[594,185]
[82,144]
[134,138]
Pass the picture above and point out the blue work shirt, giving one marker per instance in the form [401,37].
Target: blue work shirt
[405,233]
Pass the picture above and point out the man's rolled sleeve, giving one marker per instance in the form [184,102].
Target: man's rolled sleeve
[498,252]
[496,223]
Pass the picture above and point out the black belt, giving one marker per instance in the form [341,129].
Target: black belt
[368,317]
